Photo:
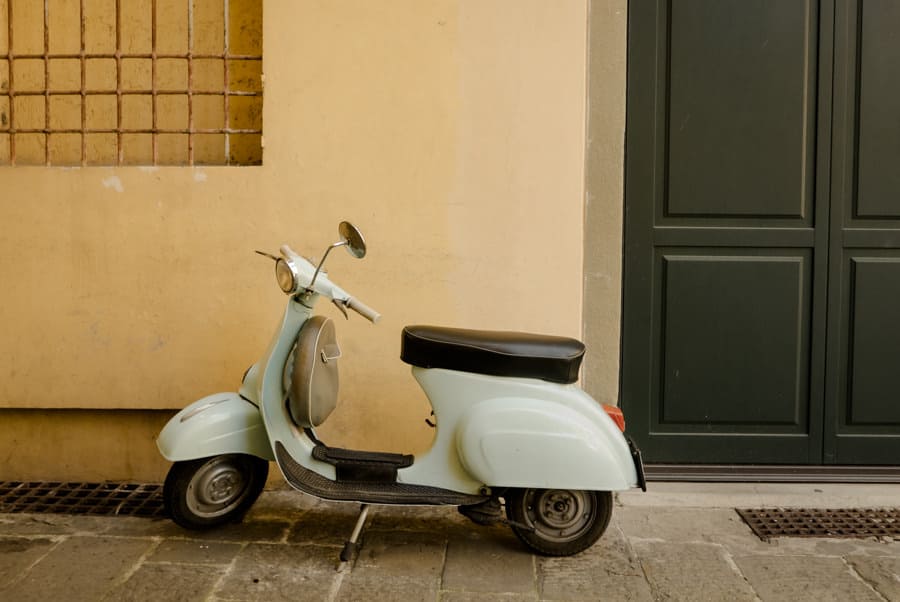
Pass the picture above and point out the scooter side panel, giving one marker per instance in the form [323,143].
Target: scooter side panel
[223,423]
[562,431]
[511,442]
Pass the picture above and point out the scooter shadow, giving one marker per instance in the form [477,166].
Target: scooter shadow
[332,524]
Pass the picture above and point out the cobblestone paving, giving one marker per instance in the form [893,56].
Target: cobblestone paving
[288,546]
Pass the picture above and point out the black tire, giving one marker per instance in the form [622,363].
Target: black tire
[564,521]
[205,493]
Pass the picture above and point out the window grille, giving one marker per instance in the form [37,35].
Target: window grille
[131,82]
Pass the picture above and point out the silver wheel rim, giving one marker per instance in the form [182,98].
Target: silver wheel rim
[218,487]
[559,515]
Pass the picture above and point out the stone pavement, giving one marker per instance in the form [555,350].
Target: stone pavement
[677,542]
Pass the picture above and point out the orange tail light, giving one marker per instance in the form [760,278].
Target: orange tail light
[617,416]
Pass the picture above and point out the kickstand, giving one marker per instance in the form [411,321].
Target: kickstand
[350,546]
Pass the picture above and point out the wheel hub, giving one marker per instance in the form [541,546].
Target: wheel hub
[560,509]
[559,514]
[216,487]
[220,487]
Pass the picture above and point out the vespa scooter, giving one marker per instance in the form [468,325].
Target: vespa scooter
[512,429]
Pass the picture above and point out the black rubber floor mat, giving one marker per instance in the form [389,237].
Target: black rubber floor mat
[815,522]
[105,499]
[311,482]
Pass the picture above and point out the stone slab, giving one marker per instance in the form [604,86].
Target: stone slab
[396,565]
[19,553]
[489,560]
[883,574]
[79,568]
[792,578]
[689,571]
[403,553]
[275,572]
[609,566]
[682,524]
[169,582]
[388,589]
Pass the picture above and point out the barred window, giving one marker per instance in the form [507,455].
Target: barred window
[130,82]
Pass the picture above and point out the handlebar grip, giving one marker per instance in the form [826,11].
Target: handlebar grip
[364,310]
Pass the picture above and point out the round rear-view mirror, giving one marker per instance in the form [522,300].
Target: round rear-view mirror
[353,239]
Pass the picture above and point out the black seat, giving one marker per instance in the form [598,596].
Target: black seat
[554,359]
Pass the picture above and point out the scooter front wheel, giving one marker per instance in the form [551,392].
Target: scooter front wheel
[558,522]
[204,493]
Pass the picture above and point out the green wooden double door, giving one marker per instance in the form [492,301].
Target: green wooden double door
[762,231]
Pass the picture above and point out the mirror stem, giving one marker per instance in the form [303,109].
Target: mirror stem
[324,257]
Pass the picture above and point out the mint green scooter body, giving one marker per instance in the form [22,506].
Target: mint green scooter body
[223,423]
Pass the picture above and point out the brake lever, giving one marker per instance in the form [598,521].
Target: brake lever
[340,305]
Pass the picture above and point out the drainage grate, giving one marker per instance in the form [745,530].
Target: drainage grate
[107,499]
[812,522]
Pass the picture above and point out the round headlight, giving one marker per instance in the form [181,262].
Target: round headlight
[284,274]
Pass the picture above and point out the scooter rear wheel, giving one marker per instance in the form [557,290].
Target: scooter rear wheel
[558,522]
[207,492]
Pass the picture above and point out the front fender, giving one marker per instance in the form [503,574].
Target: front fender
[535,443]
[223,423]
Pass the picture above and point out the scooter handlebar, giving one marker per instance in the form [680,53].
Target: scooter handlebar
[362,309]
[325,287]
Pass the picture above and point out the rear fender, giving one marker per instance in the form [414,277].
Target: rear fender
[518,442]
[224,423]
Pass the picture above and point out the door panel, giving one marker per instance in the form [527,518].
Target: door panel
[725,268]
[878,144]
[750,374]
[874,337]
[740,129]
[862,423]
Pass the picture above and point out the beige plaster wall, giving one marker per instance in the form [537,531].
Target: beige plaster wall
[452,133]
[81,445]
[604,201]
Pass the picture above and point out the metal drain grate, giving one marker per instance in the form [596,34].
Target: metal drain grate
[812,522]
[106,499]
